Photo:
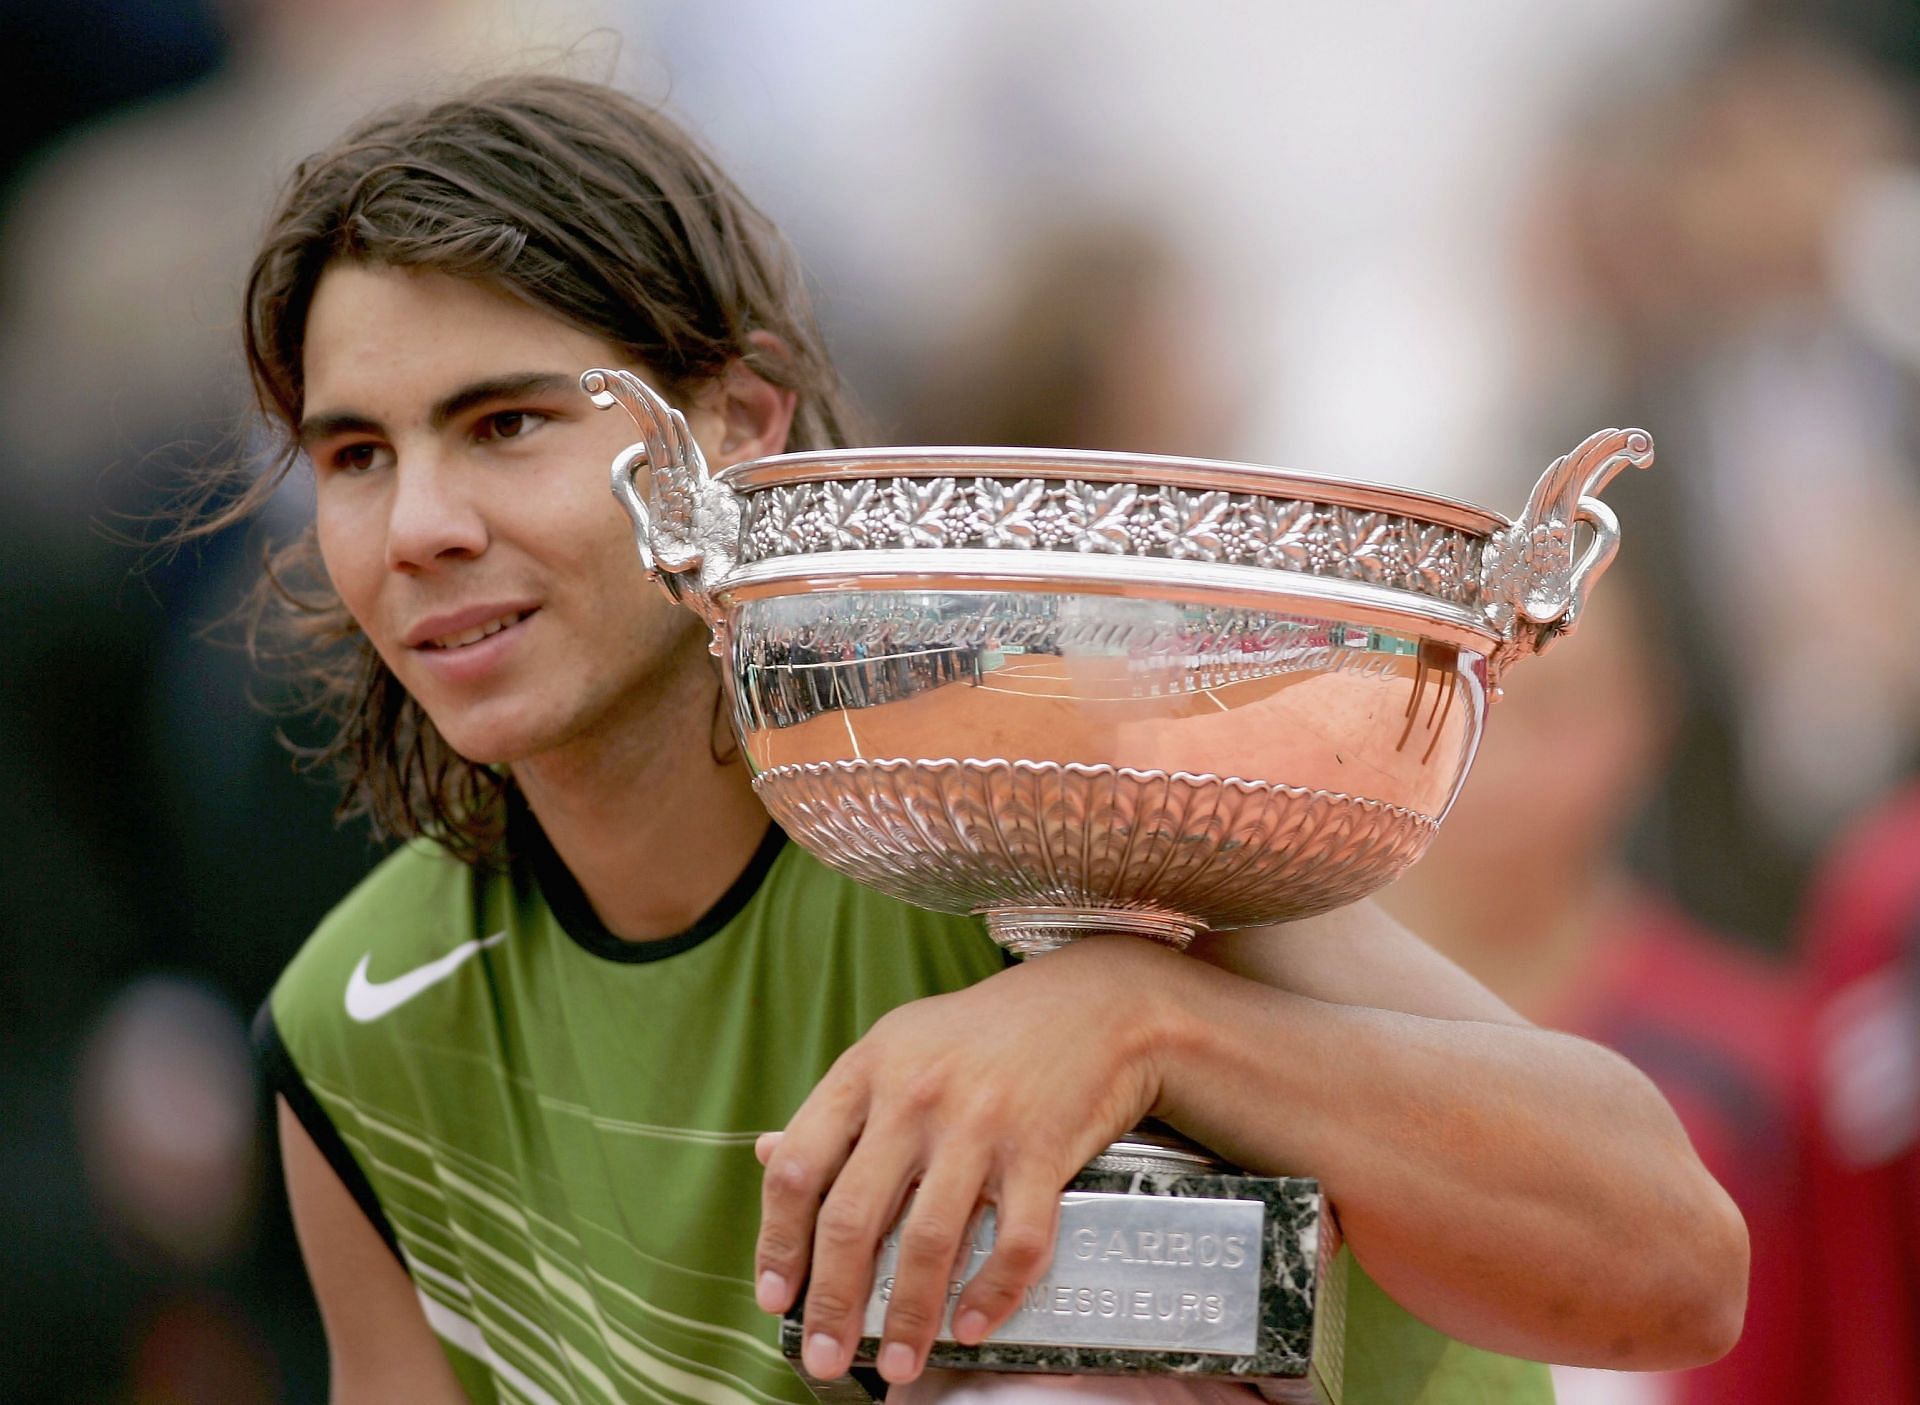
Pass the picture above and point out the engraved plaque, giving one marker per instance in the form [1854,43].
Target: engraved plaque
[1178,1274]
[1291,1282]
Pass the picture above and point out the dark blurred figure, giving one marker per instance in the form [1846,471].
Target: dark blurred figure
[67,61]
[1526,886]
[145,1263]
[166,1110]
[1862,937]
[1100,339]
[1739,260]
[1886,30]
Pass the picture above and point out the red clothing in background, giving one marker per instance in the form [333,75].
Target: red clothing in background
[1717,1030]
[1862,939]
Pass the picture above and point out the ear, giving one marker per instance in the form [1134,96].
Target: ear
[747,416]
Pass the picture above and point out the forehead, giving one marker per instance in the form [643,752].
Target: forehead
[397,335]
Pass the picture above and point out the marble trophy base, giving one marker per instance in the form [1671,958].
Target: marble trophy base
[1238,1281]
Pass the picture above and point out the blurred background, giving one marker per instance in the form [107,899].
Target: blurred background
[1434,245]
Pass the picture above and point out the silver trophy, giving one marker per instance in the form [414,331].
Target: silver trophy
[1084,692]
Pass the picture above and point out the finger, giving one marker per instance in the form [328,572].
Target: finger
[763,1146]
[1026,1218]
[865,1199]
[931,1235]
[800,1166]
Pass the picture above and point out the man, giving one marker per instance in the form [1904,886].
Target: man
[533,1051]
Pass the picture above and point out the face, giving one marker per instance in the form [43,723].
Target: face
[460,479]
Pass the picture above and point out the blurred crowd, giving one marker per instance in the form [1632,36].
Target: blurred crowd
[1433,249]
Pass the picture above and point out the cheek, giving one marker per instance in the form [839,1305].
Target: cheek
[586,524]
[352,558]
[636,606]
[629,606]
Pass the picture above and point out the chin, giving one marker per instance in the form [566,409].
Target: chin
[486,754]
[493,741]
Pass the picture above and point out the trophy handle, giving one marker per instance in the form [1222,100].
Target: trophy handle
[1533,588]
[1599,555]
[681,524]
[626,464]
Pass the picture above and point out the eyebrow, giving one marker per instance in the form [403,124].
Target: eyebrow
[315,428]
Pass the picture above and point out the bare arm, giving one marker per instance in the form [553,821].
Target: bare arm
[378,1342]
[1520,1189]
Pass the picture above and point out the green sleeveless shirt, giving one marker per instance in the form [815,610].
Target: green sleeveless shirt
[554,1129]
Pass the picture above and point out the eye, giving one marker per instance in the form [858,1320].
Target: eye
[508,424]
[357,458]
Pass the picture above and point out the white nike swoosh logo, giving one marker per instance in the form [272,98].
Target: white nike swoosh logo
[369,1000]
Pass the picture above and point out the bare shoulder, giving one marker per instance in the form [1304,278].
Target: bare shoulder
[378,1341]
[1355,955]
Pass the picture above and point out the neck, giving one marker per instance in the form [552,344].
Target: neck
[654,829]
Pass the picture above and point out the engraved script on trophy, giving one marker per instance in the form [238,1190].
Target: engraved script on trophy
[1127,1270]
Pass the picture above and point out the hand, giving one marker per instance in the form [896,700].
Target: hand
[998,1095]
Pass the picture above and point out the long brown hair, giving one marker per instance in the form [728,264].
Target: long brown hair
[590,206]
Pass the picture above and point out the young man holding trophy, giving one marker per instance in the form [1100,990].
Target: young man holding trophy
[525,1068]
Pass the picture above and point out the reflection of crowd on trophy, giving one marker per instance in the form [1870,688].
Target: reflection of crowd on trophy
[1692,834]
[784,683]
[1254,646]
[798,674]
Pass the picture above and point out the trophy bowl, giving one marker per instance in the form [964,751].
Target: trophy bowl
[1075,691]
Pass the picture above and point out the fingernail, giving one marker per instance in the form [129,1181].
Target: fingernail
[771,1293]
[822,1356]
[896,1362]
[970,1327]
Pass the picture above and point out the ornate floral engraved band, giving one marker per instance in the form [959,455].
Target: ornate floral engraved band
[1117,519]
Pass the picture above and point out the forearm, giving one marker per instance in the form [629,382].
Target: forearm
[1520,1190]
[1517,1188]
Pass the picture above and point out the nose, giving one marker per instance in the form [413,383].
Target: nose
[433,517]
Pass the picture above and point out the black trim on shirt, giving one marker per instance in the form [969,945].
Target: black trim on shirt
[283,1077]
[581,923]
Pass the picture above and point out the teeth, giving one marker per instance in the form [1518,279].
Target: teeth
[474,635]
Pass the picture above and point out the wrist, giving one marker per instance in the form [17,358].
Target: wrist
[1149,991]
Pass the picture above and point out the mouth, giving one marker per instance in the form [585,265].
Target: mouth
[467,638]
